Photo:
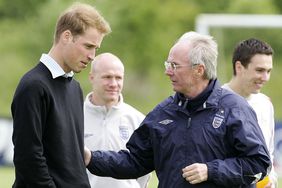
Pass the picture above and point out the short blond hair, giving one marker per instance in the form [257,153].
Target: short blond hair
[78,18]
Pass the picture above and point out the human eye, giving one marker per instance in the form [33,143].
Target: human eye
[260,70]
[106,77]
[87,46]
[173,65]
[91,46]
[119,77]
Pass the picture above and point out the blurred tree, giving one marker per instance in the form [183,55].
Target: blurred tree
[19,9]
[143,32]
[213,6]
[278,5]
[147,29]
[252,7]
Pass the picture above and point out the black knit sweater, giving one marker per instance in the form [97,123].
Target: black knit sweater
[48,131]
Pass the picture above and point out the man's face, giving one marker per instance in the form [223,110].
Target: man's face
[256,74]
[107,82]
[78,51]
[182,78]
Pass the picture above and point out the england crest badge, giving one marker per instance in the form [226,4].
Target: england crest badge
[218,119]
[124,132]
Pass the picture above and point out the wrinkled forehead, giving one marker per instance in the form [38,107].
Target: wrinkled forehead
[180,50]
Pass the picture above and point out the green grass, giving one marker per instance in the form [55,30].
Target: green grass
[7,177]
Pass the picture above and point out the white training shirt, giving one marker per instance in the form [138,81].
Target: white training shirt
[265,114]
[110,130]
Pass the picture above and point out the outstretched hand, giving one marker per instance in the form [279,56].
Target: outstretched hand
[87,156]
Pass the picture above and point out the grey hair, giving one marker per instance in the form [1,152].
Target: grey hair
[203,51]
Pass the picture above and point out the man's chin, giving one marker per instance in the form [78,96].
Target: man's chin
[77,70]
[256,91]
[175,90]
[111,98]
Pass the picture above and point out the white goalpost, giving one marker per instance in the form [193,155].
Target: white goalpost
[206,21]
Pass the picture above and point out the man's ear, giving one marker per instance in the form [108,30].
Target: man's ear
[66,36]
[199,70]
[90,76]
[238,67]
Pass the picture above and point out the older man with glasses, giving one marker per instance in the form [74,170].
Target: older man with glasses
[204,136]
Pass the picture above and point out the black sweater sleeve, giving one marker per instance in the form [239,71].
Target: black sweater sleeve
[29,111]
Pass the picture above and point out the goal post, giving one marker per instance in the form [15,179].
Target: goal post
[206,21]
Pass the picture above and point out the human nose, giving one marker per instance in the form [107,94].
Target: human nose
[265,76]
[114,82]
[169,72]
[91,55]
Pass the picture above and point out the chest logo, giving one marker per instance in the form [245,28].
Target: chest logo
[166,121]
[124,132]
[218,119]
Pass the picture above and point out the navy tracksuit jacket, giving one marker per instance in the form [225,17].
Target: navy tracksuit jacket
[222,132]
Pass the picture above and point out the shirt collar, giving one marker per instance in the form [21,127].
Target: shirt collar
[89,103]
[55,69]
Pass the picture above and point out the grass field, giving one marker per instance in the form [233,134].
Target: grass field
[7,178]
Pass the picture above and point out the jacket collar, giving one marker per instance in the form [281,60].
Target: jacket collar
[209,97]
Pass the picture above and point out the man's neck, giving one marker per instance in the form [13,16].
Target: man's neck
[236,86]
[198,89]
[98,102]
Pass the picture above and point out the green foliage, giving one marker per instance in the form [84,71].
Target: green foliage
[142,28]
[278,4]
[12,53]
[143,32]
[213,6]
[252,7]
[19,9]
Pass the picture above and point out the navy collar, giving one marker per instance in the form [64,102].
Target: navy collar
[192,104]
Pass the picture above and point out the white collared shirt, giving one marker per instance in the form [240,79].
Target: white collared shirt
[55,69]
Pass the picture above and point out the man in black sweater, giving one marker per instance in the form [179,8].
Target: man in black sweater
[47,108]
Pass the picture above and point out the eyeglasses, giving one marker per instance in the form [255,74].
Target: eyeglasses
[173,66]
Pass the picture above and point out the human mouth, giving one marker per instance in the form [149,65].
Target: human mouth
[112,91]
[173,82]
[259,85]
[84,64]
